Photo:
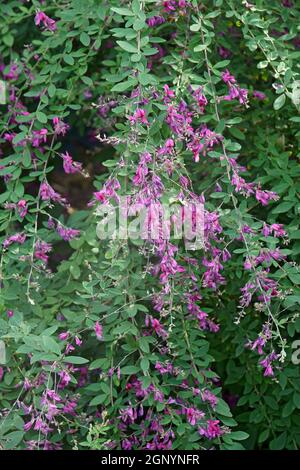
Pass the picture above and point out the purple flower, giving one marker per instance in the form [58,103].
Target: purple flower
[212,429]
[201,99]
[259,95]
[287,3]
[164,368]
[264,197]
[224,52]
[108,191]
[69,165]
[228,78]
[10,313]
[60,128]
[28,425]
[193,415]
[67,233]
[69,407]
[39,137]
[41,249]
[42,18]
[235,92]
[139,116]
[47,193]
[207,395]
[16,238]
[155,21]
[267,364]
[65,379]
[98,330]
[22,208]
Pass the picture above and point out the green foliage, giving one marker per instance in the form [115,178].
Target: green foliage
[105,55]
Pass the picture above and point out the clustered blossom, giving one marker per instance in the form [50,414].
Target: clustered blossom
[224,52]
[274,229]
[249,189]
[67,233]
[265,256]
[109,191]
[69,165]
[42,19]
[98,330]
[16,238]
[39,137]
[178,280]
[156,326]
[139,116]
[170,6]
[203,141]
[164,368]
[155,21]
[41,250]
[235,92]
[259,95]
[201,99]
[193,415]
[205,323]
[21,207]
[267,364]
[208,396]
[212,430]
[287,3]
[262,339]
[60,127]
[47,193]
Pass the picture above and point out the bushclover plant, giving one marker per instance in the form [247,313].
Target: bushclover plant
[144,339]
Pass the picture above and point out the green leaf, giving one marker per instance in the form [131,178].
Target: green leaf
[295,235]
[41,117]
[223,409]
[288,409]
[200,48]
[279,442]
[283,207]
[75,271]
[145,79]
[122,11]
[12,439]
[69,59]
[236,133]
[144,344]
[129,370]
[105,388]
[238,435]
[279,102]
[87,80]
[125,85]
[263,436]
[75,360]
[51,90]
[4,197]
[145,364]
[19,137]
[51,345]
[8,40]
[128,47]
[139,24]
[195,27]
[296,399]
[85,39]
[98,400]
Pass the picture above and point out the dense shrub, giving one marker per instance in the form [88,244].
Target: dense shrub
[146,343]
